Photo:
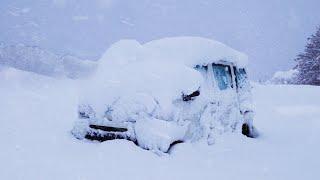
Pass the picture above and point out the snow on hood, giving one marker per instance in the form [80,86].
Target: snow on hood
[160,69]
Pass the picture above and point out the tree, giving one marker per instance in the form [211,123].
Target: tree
[308,62]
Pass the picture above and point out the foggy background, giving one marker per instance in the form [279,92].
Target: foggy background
[270,32]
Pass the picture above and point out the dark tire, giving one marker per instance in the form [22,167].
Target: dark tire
[249,131]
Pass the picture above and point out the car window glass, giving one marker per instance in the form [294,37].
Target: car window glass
[202,69]
[241,77]
[222,75]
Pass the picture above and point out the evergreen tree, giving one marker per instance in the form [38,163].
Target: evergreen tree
[308,62]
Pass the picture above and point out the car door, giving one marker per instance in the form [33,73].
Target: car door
[227,114]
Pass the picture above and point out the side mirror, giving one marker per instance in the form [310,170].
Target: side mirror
[190,96]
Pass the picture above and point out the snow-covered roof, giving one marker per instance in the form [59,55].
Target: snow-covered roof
[192,51]
[188,51]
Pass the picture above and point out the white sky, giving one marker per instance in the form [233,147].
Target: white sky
[270,32]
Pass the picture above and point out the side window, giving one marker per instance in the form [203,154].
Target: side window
[202,69]
[222,75]
[241,77]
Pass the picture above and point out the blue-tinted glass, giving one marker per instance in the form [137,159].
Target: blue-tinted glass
[202,69]
[222,75]
[241,77]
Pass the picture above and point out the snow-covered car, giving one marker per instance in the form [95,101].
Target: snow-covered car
[167,91]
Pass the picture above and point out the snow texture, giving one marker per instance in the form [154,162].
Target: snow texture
[157,135]
[37,113]
[35,59]
[192,51]
[284,77]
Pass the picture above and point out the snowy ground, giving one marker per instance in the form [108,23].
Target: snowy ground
[37,114]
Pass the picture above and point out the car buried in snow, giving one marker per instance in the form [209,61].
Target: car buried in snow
[167,91]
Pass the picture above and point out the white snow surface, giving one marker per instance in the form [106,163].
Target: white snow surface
[38,112]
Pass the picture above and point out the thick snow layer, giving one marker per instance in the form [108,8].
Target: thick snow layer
[121,73]
[162,69]
[157,135]
[37,114]
[192,51]
[137,81]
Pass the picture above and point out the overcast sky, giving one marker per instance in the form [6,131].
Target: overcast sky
[271,32]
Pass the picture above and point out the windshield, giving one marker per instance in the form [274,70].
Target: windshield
[222,75]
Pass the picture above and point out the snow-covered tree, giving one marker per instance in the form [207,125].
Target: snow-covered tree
[308,62]
[284,77]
